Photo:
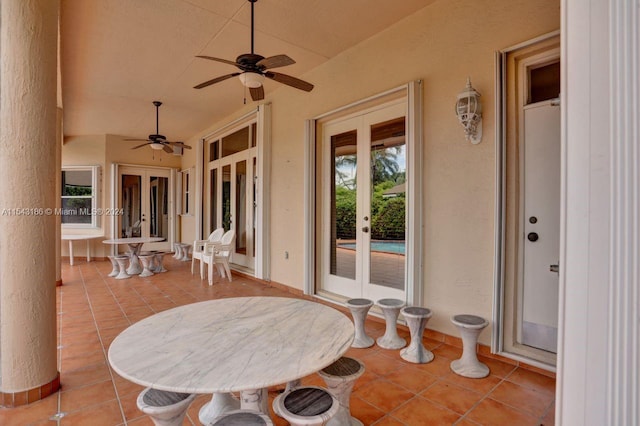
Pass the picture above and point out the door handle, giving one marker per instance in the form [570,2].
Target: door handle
[554,268]
[532,236]
[365,229]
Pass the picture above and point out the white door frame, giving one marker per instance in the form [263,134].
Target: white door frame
[116,196]
[412,92]
[262,117]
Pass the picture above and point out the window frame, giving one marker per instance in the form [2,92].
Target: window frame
[186,183]
[95,190]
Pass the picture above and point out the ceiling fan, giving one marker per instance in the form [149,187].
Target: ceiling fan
[254,68]
[158,141]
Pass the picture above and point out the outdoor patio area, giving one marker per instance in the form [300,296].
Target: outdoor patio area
[94,308]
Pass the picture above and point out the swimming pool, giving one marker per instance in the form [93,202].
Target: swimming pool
[397,247]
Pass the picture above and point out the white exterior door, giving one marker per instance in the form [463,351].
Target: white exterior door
[364,199]
[541,225]
[146,201]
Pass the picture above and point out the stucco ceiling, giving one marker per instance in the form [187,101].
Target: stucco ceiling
[117,56]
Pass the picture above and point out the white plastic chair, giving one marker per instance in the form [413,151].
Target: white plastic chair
[219,254]
[198,249]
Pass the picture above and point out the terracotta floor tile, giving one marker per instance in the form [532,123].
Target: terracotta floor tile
[142,421]
[493,413]
[79,398]
[497,368]
[383,395]
[381,364]
[533,380]
[447,351]
[418,412]
[411,378]
[130,406]
[550,418]
[438,367]
[37,411]
[364,411]
[82,361]
[528,400]
[124,386]
[84,376]
[451,396]
[482,386]
[104,414]
[365,379]
[389,421]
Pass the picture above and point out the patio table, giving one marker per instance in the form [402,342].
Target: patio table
[135,245]
[71,238]
[227,345]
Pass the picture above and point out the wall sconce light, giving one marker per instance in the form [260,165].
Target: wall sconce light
[469,113]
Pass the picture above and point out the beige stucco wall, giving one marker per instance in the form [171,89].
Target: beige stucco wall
[104,151]
[442,45]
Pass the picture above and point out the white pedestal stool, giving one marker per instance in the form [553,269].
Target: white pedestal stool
[242,418]
[306,406]
[391,310]
[147,265]
[416,320]
[122,264]
[340,378]
[184,248]
[115,269]
[220,404]
[359,309]
[468,365]
[164,408]
[177,251]
[158,262]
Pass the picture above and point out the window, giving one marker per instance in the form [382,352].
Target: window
[79,196]
[186,192]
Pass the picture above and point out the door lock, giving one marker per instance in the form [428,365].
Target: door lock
[365,229]
[532,236]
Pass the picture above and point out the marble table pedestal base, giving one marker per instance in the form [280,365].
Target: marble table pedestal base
[416,319]
[391,310]
[359,309]
[221,403]
[468,365]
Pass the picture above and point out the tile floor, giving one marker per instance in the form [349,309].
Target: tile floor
[93,308]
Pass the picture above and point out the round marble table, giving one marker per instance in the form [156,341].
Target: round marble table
[227,345]
[135,245]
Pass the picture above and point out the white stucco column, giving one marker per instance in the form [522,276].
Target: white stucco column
[28,49]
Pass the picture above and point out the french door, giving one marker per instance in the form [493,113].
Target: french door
[364,204]
[232,189]
[145,199]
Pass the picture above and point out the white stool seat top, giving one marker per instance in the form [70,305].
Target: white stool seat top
[357,303]
[416,312]
[469,321]
[158,398]
[343,367]
[391,303]
[308,402]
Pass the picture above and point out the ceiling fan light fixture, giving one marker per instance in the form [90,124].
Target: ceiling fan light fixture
[251,79]
[156,145]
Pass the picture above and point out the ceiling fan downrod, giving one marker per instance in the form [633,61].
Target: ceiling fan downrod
[252,38]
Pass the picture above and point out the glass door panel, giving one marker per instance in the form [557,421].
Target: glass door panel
[226,197]
[158,207]
[213,200]
[241,207]
[388,188]
[344,191]
[131,202]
